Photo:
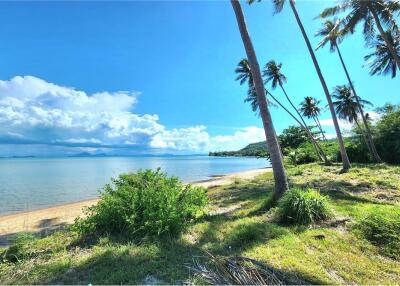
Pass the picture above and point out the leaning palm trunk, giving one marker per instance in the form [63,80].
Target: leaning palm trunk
[363,135]
[343,153]
[317,148]
[281,183]
[367,134]
[385,38]
[319,127]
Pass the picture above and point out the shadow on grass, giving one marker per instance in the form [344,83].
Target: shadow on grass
[340,190]
[238,193]
[232,235]
[46,226]
[167,262]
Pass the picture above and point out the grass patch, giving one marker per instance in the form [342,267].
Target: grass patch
[382,228]
[303,207]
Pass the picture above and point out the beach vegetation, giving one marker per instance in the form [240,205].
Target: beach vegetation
[382,228]
[146,203]
[304,207]
[348,248]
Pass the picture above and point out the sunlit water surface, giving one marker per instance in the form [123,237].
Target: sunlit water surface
[33,183]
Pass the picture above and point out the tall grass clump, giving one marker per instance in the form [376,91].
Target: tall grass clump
[303,207]
[20,249]
[146,203]
[382,228]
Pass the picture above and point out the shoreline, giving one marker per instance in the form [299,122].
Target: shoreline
[55,217]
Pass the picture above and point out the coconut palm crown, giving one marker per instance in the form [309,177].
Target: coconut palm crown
[309,107]
[376,13]
[345,103]
[272,73]
[331,34]
[381,60]
[362,11]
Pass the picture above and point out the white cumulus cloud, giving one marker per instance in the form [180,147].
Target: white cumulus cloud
[34,111]
[46,112]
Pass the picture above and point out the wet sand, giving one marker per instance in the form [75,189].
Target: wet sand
[49,219]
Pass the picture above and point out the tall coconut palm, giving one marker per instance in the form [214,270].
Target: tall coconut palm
[347,106]
[281,182]
[382,61]
[245,76]
[331,34]
[368,12]
[273,73]
[309,107]
[278,8]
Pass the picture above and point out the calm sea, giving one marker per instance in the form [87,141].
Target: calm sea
[33,183]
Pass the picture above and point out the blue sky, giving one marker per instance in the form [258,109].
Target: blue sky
[154,77]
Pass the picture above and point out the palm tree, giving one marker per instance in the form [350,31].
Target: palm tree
[331,34]
[368,12]
[272,73]
[281,182]
[347,106]
[382,60]
[278,8]
[245,76]
[309,107]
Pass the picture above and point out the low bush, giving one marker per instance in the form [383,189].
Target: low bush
[303,207]
[383,230]
[146,203]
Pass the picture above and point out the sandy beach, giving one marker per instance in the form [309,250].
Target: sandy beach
[49,219]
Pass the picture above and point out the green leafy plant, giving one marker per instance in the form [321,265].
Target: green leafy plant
[303,207]
[146,203]
[382,228]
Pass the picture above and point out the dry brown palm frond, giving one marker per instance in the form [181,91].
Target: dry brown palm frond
[221,270]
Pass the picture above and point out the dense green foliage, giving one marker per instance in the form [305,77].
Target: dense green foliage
[298,150]
[144,203]
[387,134]
[382,228]
[303,207]
[292,137]
[258,149]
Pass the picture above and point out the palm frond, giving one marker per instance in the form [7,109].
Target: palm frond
[278,5]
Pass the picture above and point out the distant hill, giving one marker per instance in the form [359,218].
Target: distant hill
[87,154]
[258,149]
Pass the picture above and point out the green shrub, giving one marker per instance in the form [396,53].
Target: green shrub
[20,249]
[383,230]
[144,203]
[303,207]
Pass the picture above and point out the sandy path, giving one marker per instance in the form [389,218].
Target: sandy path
[55,217]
